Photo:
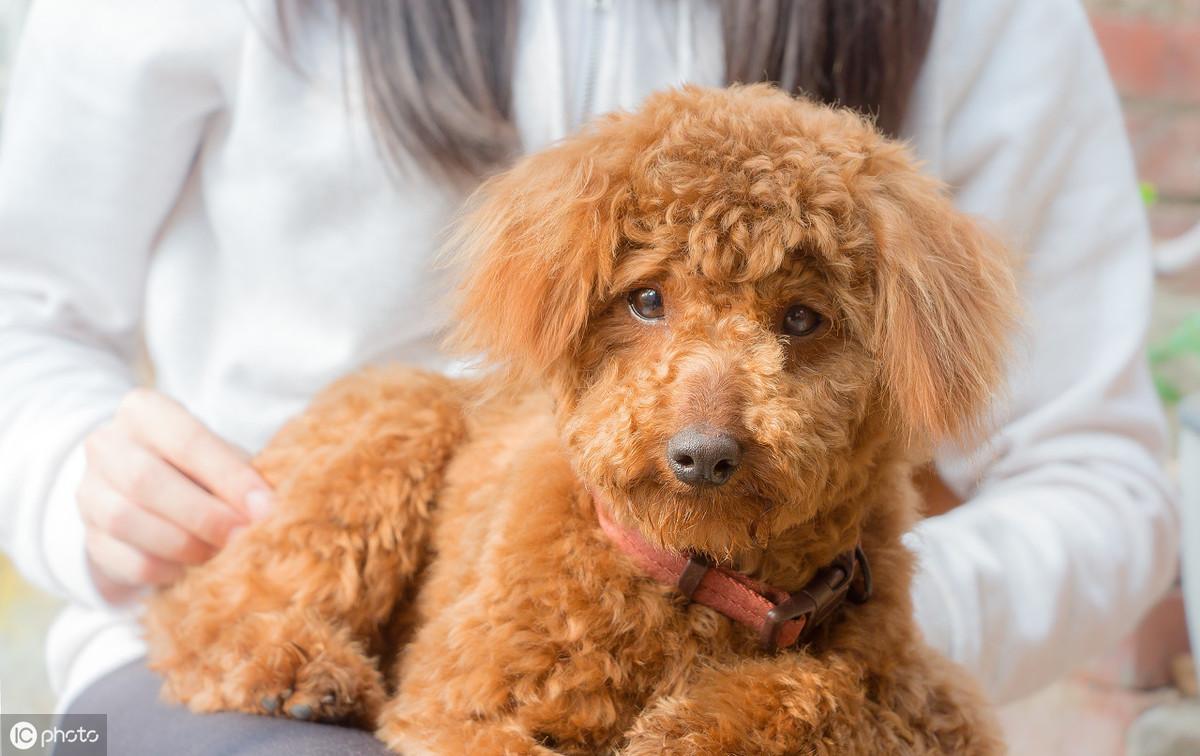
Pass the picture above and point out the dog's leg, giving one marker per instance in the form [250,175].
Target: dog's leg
[463,698]
[524,656]
[445,709]
[935,697]
[797,703]
[285,619]
[465,737]
[475,679]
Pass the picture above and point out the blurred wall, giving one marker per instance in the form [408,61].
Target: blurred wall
[1153,52]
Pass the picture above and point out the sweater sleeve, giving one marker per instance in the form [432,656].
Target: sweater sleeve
[1069,533]
[107,108]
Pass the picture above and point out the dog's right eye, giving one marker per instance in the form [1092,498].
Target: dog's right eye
[646,303]
[801,320]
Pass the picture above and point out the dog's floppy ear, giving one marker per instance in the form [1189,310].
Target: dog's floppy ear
[946,302]
[535,249]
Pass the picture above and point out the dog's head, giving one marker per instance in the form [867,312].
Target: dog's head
[737,298]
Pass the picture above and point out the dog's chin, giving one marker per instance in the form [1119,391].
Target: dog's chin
[717,521]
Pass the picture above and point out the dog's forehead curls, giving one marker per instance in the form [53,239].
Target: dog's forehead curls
[733,294]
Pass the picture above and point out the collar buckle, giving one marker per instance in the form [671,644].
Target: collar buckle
[818,599]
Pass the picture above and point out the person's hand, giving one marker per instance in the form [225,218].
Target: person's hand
[160,492]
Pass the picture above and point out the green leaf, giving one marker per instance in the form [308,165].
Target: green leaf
[1168,392]
[1183,340]
[1149,193]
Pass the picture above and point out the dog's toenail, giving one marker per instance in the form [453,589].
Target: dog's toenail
[286,694]
[270,703]
[300,711]
[328,698]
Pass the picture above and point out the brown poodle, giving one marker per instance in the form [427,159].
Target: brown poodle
[728,324]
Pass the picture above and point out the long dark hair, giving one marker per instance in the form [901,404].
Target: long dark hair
[437,74]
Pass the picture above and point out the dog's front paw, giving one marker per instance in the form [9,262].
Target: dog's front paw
[302,667]
[285,664]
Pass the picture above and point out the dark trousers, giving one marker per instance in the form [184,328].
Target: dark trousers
[139,724]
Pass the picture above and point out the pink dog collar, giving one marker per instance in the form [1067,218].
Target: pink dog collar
[781,619]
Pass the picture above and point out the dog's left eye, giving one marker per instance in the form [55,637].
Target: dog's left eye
[646,303]
[801,320]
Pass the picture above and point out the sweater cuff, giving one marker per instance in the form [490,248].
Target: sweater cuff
[63,538]
[933,607]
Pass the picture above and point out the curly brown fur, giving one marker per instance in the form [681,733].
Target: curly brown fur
[299,610]
[502,620]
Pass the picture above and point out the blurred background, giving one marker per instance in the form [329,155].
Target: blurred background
[1141,698]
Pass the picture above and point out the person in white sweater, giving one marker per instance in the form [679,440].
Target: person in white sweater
[257,189]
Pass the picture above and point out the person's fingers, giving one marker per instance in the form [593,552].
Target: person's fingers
[154,485]
[170,430]
[125,565]
[146,531]
[110,590]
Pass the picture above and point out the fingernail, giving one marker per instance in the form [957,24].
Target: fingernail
[259,504]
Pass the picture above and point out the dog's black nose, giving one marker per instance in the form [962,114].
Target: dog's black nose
[701,455]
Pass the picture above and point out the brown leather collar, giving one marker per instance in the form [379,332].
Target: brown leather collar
[782,619]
